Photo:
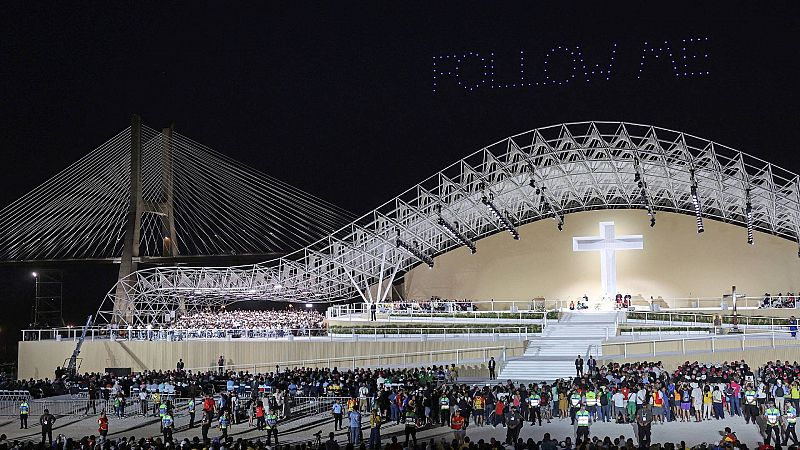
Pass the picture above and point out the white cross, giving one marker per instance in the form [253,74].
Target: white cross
[607,244]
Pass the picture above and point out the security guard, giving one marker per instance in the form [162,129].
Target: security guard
[791,420]
[582,432]
[773,415]
[162,411]
[534,406]
[574,405]
[191,412]
[166,426]
[410,421]
[272,427]
[750,406]
[24,410]
[224,421]
[591,404]
[444,409]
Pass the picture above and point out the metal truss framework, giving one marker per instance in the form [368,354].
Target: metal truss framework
[543,173]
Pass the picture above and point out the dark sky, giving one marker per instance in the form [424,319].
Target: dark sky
[340,101]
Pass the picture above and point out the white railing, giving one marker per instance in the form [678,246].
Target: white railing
[681,319]
[766,339]
[457,356]
[171,334]
[367,333]
[446,307]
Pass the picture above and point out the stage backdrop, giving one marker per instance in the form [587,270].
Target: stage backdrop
[676,262]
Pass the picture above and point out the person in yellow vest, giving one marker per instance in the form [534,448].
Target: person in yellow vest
[224,422]
[582,419]
[156,399]
[591,404]
[791,419]
[375,422]
[750,406]
[166,427]
[478,405]
[773,426]
[352,404]
[794,395]
[24,410]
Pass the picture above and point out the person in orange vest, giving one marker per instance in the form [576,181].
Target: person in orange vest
[352,404]
[102,423]
[457,424]
[261,423]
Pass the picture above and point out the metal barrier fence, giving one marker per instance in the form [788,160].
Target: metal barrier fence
[456,355]
[536,305]
[703,344]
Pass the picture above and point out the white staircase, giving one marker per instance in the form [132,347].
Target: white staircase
[552,355]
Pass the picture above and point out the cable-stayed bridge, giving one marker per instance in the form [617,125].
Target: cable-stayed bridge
[150,196]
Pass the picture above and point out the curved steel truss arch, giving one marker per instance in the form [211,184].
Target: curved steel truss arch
[543,173]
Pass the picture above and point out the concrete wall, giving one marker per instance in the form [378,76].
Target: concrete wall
[38,359]
[676,262]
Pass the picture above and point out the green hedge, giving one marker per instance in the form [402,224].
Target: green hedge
[705,318]
[458,328]
[656,329]
[552,315]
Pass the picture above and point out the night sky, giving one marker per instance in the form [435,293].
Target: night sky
[341,102]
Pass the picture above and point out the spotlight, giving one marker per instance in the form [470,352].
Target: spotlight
[749,213]
[457,235]
[501,217]
[697,209]
[414,251]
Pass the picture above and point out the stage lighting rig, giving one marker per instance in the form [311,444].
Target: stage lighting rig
[414,251]
[453,231]
[698,213]
[547,205]
[638,178]
[500,216]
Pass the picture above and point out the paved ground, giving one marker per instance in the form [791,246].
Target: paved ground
[304,430]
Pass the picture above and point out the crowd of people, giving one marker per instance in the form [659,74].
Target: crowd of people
[276,320]
[778,301]
[645,393]
[253,324]
[432,305]
[727,442]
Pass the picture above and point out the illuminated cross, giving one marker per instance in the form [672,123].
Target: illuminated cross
[607,244]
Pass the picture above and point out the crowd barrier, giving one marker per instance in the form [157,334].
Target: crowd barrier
[689,345]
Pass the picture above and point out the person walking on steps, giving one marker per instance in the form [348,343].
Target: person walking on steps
[579,366]
[492,367]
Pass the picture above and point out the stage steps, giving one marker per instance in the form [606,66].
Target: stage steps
[553,355]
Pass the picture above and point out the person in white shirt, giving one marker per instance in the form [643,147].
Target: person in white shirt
[363,395]
[619,405]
